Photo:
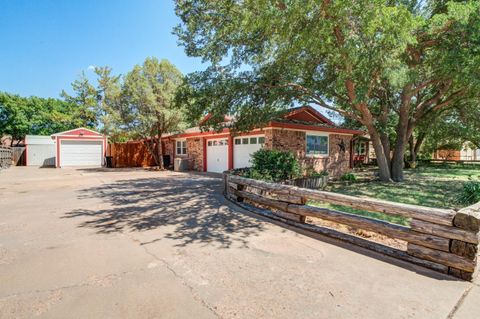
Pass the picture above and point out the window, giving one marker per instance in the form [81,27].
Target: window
[317,145]
[245,140]
[181,147]
[209,143]
[261,140]
[361,148]
[253,140]
[238,141]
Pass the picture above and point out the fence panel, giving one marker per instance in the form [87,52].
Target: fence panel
[441,239]
[5,157]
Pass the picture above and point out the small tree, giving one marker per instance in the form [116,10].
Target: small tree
[148,110]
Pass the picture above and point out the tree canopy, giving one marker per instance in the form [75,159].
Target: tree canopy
[147,109]
[20,116]
[374,61]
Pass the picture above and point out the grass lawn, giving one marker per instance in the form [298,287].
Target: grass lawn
[432,186]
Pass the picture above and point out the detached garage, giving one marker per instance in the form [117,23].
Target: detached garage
[40,151]
[80,147]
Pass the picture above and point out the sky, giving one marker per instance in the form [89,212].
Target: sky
[46,44]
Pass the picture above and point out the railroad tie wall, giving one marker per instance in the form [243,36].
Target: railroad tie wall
[441,239]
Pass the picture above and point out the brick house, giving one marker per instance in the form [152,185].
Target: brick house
[317,142]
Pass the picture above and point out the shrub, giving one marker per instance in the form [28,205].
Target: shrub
[348,177]
[273,165]
[470,193]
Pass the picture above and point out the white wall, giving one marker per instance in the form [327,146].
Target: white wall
[40,150]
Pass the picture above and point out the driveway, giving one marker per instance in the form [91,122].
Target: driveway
[86,243]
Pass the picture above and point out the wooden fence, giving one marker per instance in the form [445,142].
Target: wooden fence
[130,155]
[5,157]
[19,156]
[441,239]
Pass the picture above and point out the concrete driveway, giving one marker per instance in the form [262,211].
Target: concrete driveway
[140,244]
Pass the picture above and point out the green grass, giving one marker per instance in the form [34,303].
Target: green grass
[432,186]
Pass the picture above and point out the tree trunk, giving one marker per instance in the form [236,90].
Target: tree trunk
[415,146]
[386,147]
[160,152]
[382,162]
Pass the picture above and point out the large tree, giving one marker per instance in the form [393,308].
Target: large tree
[20,116]
[373,61]
[148,109]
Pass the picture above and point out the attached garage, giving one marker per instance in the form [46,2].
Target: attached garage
[80,147]
[244,147]
[40,150]
[217,155]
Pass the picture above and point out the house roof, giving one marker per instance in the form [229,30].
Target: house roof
[81,131]
[302,118]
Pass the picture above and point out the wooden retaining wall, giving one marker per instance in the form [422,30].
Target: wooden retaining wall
[441,239]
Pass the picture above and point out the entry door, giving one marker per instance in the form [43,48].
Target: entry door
[81,153]
[217,155]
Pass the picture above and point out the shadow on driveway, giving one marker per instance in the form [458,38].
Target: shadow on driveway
[194,205]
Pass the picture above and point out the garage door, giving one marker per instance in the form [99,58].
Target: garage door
[81,153]
[217,155]
[41,155]
[243,149]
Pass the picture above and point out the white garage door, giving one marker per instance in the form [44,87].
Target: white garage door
[243,149]
[41,155]
[217,155]
[81,153]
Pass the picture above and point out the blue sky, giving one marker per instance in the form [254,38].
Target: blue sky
[45,44]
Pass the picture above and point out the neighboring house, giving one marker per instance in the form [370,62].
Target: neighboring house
[317,142]
[466,153]
[40,151]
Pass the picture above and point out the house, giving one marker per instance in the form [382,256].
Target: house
[465,153]
[317,142]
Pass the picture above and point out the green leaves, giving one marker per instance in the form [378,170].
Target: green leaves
[148,94]
[20,116]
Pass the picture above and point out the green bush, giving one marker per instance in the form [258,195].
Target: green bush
[348,177]
[470,193]
[273,165]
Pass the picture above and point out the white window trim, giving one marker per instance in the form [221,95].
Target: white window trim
[181,148]
[249,136]
[317,134]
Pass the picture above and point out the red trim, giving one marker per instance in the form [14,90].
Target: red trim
[230,152]
[185,135]
[213,137]
[314,128]
[204,154]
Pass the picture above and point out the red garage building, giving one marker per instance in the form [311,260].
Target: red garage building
[80,147]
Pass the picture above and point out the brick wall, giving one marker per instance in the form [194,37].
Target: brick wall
[195,153]
[337,163]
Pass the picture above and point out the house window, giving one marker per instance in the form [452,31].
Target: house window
[361,148]
[253,140]
[317,145]
[181,147]
[245,140]
[238,141]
